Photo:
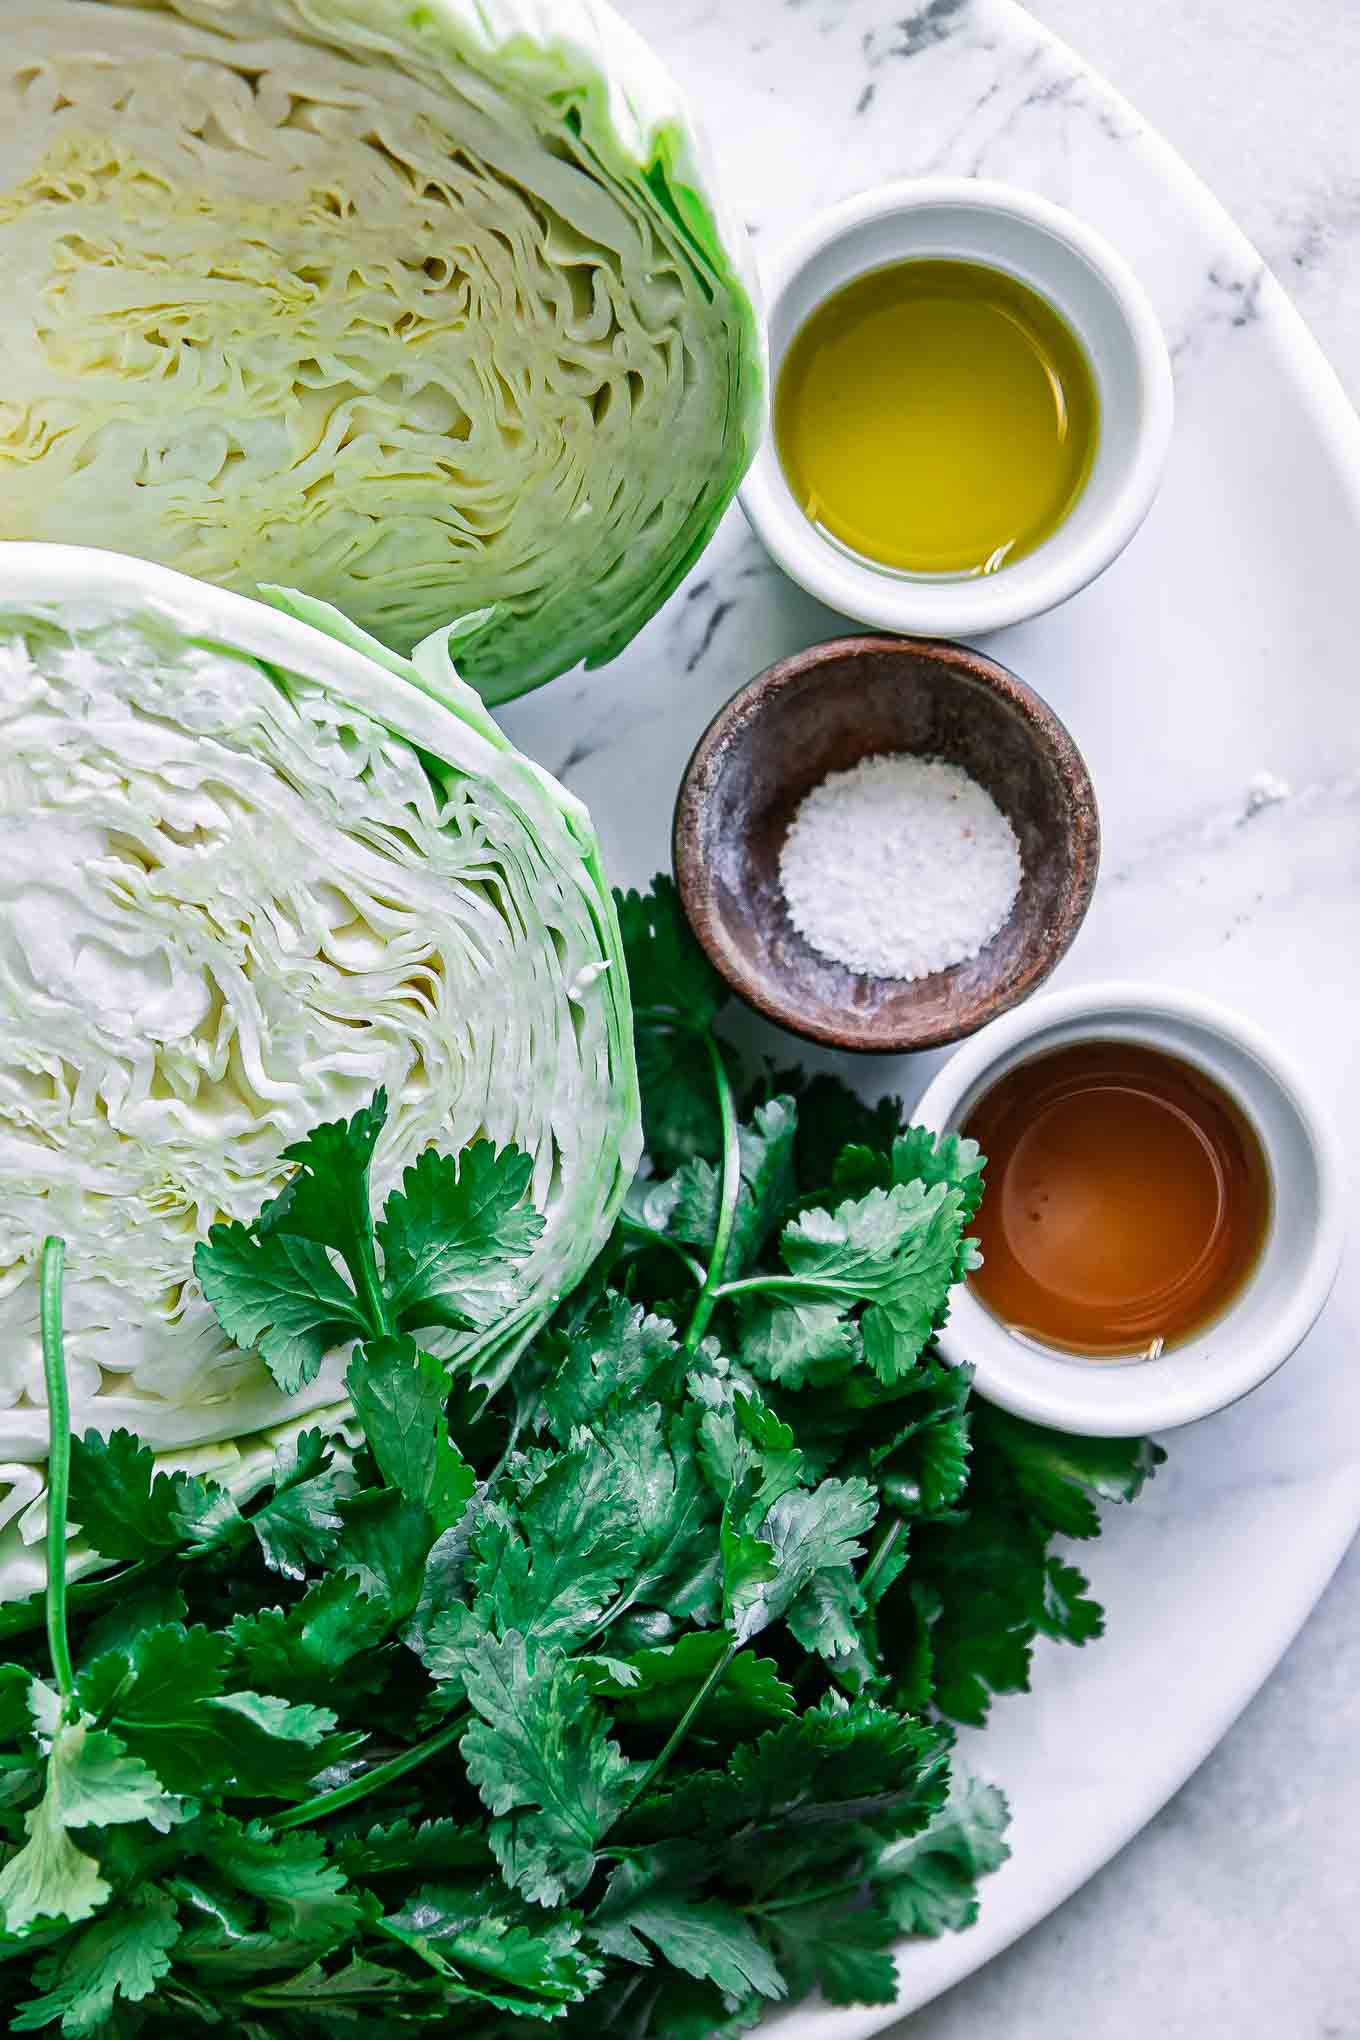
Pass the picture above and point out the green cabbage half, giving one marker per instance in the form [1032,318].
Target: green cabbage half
[421,309]
[247,874]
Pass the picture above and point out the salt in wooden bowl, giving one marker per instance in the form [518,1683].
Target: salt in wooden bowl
[821,711]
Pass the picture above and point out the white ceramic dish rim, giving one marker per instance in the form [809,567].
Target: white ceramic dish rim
[1260,1330]
[1067,561]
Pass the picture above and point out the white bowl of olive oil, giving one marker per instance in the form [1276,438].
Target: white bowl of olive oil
[972,407]
[1163,1215]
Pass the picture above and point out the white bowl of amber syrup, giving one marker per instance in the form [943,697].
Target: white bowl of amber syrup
[971,407]
[1163,1218]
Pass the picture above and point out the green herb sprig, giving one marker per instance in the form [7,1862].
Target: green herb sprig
[620,1699]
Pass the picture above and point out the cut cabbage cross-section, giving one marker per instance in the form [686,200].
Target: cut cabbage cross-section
[419,309]
[250,870]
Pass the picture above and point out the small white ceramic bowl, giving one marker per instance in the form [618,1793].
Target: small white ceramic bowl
[1263,1325]
[1102,301]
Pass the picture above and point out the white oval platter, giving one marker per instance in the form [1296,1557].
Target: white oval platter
[1211,681]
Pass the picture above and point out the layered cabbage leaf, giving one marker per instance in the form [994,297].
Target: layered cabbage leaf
[421,310]
[251,869]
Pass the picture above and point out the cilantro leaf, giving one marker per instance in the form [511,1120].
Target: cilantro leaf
[49,1878]
[927,1882]
[792,1339]
[824,1618]
[91,1781]
[1060,1478]
[149,1607]
[975,1589]
[745,1447]
[273,1285]
[299,1525]
[667,969]
[15,1719]
[616,1351]
[667,2005]
[548,1568]
[703,1937]
[443,1580]
[895,1249]
[766,1145]
[408,1847]
[984,1586]
[677,995]
[327,1201]
[674,1562]
[922,1466]
[164,1696]
[280,1296]
[451,1235]
[161,1674]
[529,1970]
[123,1506]
[403,1847]
[94,1782]
[289,1723]
[831,1117]
[541,1760]
[915,1156]
[844,1751]
[840,1947]
[124,1955]
[289,1874]
[1068,1613]
[385,1547]
[207,1515]
[843,1769]
[400,1395]
[929,1464]
[336,1993]
[806,1532]
[652,1688]
[295,1653]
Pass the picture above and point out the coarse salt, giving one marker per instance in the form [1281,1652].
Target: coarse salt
[899,867]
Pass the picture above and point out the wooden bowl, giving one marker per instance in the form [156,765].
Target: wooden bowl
[821,711]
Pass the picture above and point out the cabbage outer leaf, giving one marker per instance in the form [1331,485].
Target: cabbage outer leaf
[421,310]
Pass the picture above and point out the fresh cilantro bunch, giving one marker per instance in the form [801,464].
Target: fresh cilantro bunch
[621,1698]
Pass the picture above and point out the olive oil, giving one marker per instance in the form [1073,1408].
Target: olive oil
[1128,1200]
[937,417]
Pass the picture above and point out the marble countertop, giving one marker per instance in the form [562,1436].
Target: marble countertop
[1232,1917]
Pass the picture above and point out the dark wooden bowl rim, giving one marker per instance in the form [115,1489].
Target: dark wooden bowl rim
[698,890]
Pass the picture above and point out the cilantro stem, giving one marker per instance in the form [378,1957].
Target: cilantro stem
[682,1726]
[640,1232]
[666,1016]
[882,1553]
[363,1266]
[327,1803]
[413,1946]
[58,1463]
[727,1209]
[809,1285]
[285,1996]
[843,1887]
[611,1615]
